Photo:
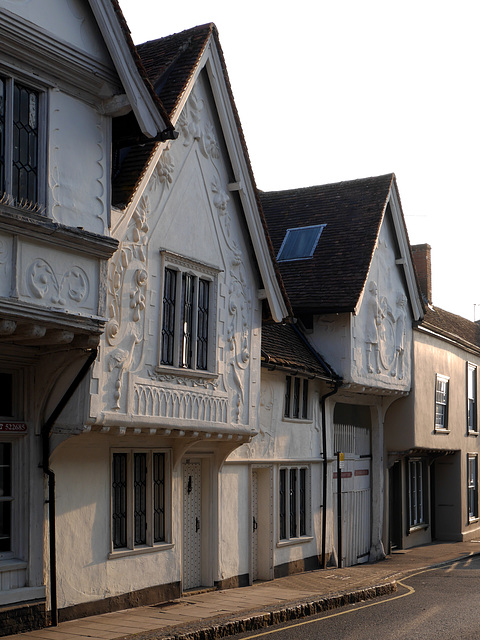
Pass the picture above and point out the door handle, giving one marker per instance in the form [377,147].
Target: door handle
[255,524]
[197,525]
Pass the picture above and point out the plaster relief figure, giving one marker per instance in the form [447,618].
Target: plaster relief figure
[374,320]
[400,336]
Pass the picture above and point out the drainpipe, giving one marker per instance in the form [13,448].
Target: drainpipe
[46,430]
[338,384]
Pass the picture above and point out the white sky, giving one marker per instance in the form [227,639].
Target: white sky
[331,90]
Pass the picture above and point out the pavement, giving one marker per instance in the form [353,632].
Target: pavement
[215,614]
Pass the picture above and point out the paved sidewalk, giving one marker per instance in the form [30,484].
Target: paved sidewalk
[206,616]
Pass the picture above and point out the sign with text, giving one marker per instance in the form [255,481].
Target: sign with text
[13,427]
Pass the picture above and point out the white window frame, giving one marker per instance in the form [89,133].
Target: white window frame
[472,409]
[299,410]
[442,384]
[149,545]
[417,479]
[292,507]
[472,486]
[184,266]
[10,78]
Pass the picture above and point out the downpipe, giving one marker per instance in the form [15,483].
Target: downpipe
[46,431]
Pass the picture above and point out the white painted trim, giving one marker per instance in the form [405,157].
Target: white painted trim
[22,595]
[149,119]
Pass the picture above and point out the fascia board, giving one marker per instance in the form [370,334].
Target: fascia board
[246,192]
[404,246]
[149,119]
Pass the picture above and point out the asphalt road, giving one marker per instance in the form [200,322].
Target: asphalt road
[440,604]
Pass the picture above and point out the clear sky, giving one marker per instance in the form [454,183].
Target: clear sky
[332,90]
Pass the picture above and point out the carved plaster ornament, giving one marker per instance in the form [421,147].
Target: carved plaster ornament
[42,281]
[192,128]
[119,361]
[385,333]
[162,176]
[129,250]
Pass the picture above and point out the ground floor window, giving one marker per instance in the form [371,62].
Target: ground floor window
[140,481]
[294,492]
[472,486]
[6,498]
[416,492]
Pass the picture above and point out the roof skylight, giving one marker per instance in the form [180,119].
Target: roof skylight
[300,243]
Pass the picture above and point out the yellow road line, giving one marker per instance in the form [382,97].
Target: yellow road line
[410,592]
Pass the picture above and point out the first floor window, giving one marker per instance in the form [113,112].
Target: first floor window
[416,492]
[441,402]
[19,140]
[296,397]
[293,502]
[188,313]
[6,497]
[472,486]
[471,398]
[139,493]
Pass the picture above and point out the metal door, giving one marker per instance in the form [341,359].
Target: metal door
[192,525]
[356,493]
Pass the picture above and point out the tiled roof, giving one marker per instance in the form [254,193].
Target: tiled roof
[333,279]
[283,346]
[452,327]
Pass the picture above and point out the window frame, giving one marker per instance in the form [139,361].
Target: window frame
[440,380]
[172,338]
[12,78]
[472,487]
[296,403]
[417,493]
[471,399]
[294,506]
[316,229]
[149,544]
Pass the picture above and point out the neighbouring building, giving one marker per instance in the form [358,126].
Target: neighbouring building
[67,70]
[432,436]
[345,260]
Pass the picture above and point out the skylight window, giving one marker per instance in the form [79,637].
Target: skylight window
[300,243]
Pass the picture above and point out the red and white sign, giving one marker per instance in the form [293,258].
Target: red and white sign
[13,427]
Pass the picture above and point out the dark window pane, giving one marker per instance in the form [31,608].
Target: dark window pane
[303,502]
[283,504]
[296,398]
[158,497]
[305,399]
[140,497]
[187,320]
[288,392]
[25,144]
[202,324]
[293,503]
[300,243]
[168,327]
[2,136]
[6,395]
[119,500]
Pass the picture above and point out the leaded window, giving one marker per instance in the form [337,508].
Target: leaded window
[293,502]
[139,498]
[6,497]
[296,398]
[19,141]
[187,316]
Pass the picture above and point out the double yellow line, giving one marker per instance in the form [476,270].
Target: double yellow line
[409,591]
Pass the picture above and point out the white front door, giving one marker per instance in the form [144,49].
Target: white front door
[254,525]
[192,525]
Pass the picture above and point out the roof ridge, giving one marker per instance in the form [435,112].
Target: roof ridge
[329,184]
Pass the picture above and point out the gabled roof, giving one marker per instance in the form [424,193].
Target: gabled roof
[285,348]
[451,327]
[172,64]
[149,111]
[333,279]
